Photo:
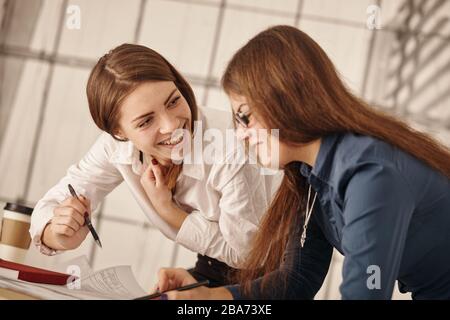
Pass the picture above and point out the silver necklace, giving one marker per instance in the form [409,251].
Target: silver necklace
[307,215]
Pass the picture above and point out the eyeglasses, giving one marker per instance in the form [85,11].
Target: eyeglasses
[242,119]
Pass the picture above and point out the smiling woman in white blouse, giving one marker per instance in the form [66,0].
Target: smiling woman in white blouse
[139,100]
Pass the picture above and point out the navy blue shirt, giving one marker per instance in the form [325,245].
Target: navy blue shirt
[385,211]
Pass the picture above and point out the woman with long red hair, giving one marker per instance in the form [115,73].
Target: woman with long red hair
[356,180]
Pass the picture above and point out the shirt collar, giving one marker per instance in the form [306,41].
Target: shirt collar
[126,153]
[323,165]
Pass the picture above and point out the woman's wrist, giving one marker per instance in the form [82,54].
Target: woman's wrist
[173,215]
[220,293]
[46,237]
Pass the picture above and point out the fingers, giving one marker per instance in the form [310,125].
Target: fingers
[81,205]
[157,172]
[87,203]
[69,216]
[154,173]
[63,229]
[70,212]
[67,227]
[163,279]
[167,279]
[181,295]
[200,293]
[155,289]
[148,175]
[171,278]
[67,221]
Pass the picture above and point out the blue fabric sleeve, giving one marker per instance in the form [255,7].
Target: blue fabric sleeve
[377,210]
[302,273]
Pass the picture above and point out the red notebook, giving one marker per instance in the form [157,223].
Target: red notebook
[37,275]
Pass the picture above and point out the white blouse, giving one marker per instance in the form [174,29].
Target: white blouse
[225,202]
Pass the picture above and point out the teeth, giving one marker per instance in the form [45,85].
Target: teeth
[173,141]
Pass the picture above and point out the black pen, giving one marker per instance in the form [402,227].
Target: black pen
[188,287]
[86,218]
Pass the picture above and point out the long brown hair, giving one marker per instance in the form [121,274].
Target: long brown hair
[291,84]
[120,72]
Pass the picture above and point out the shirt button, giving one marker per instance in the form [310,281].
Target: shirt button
[209,263]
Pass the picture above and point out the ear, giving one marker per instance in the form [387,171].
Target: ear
[120,135]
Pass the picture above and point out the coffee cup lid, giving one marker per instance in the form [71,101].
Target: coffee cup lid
[18,208]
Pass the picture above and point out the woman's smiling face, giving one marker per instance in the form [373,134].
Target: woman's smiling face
[150,114]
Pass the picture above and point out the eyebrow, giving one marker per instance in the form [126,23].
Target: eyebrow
[150,113]
[170,96]
[143,116]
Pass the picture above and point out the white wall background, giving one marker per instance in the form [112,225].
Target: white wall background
[45,124]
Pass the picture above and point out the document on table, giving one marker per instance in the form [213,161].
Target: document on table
[111,283]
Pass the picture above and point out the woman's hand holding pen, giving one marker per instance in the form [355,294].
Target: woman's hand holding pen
[154,182]
[171,278]
[66,230]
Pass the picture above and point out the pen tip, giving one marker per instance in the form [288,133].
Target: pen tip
[99,243]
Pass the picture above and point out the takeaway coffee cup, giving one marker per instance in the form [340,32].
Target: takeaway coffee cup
[14,236]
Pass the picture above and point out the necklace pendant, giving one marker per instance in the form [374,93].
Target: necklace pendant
[302,239]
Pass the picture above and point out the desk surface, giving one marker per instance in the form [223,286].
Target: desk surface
[8,294]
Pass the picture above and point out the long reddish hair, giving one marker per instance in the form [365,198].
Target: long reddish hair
[120,72]
[291,84]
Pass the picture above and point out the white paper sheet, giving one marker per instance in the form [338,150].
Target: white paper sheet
[111,283]
[117,280]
